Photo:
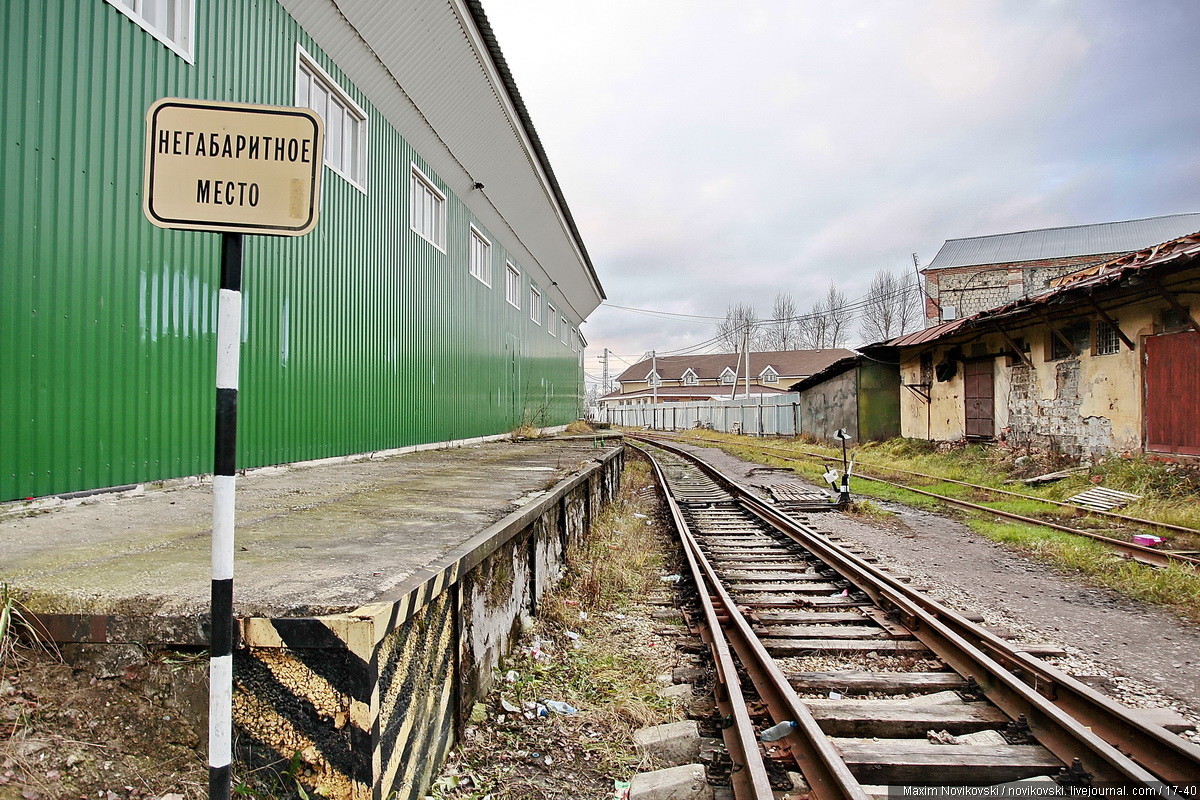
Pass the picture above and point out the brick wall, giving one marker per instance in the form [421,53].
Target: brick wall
[976,288]
[1055,424]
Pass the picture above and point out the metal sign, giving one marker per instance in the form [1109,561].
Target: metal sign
[232,167]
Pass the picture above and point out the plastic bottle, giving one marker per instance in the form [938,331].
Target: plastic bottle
[777,732]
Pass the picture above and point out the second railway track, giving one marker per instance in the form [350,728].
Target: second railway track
[776,596]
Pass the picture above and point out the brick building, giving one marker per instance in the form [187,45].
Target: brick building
[981,272]
[1107,360]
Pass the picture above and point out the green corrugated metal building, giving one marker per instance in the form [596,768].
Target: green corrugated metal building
[439,298]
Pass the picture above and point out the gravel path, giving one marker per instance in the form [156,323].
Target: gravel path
[1137,653]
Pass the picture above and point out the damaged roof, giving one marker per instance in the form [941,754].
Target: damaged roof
[1127,268]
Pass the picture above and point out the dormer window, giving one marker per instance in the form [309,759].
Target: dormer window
[690,378]
[769,375]
[654,379]
[728,376]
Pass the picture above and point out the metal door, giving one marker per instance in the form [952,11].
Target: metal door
[1172,392]
[979,396]
[512,379]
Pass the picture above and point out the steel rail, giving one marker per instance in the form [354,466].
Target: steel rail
[815,756]
[1067,723]
[1123,517]
[1147,555]
[749,775]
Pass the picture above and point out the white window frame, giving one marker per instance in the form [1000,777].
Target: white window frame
[535,304]
[565,331]
[653,379]
[353,120]
[690,378]
[728,377]
[479,258]
[180,41]
[512,285]
[551,319]
[422,187]
[769,375]
[1107,341]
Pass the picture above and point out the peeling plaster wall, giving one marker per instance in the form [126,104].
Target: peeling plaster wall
[913,408]
[1083,405]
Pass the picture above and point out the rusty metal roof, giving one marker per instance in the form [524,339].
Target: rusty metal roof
[1076,240]
[929,334]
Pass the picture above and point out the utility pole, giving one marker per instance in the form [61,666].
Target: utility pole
[746,347]
[604,377]
[924,290]
[654,375]
[737,368]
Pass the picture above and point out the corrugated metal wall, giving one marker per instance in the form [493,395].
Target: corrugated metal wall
[360,336]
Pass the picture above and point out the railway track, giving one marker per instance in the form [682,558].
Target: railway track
[1145,555]
[775,596]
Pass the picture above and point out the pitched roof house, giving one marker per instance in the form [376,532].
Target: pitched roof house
[715,376]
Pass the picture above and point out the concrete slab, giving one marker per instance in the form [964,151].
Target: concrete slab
[672,744]
[315,539]
[686,782]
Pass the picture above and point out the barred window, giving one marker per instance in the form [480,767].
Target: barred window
[1107,341]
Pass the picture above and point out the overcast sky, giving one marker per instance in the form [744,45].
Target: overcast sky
[715,152]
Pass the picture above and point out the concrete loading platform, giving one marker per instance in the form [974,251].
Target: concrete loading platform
[373,596]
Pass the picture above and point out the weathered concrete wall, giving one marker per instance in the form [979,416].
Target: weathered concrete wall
[831,405]
[943,417]
[1082,405]
[372,699]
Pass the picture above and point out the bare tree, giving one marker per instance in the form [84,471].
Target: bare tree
[827,325]
[782,331]
[891,308]
[839,316]
[732,329]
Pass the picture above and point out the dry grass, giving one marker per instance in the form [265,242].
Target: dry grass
[609,673]
[525,430]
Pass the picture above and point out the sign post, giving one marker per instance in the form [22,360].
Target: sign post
[237,169]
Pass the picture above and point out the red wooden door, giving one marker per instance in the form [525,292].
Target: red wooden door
[979,395]
[1173,393]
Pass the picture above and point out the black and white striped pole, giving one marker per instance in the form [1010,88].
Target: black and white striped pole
[220,669]
[266,181]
